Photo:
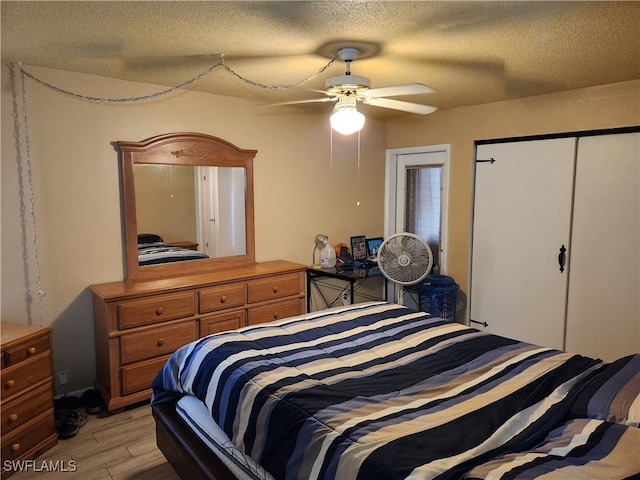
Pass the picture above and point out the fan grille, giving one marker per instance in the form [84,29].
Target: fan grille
[405,258]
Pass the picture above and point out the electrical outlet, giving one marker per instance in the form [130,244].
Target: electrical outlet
[63,378]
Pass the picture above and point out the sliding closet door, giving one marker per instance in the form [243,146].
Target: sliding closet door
[603,315]
[522,216]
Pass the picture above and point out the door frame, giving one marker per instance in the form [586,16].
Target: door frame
[391,196]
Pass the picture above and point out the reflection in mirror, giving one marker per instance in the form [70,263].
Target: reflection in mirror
[201,207]
[165,201]
[221,194]
[186,196]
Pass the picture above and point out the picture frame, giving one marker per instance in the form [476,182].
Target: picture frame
[373,244]
[359,247]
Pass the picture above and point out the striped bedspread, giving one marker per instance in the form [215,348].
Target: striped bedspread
[374,391]
[581,449]
[160,252]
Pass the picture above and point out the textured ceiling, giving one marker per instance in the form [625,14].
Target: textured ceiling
[469,52]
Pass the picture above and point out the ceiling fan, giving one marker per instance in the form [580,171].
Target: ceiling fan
[348,89]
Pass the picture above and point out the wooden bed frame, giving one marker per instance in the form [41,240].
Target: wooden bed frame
[186,453]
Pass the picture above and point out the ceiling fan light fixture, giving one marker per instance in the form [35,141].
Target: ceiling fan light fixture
[346,119]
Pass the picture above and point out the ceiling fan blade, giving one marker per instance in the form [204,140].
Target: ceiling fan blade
[399,105]
[396,90]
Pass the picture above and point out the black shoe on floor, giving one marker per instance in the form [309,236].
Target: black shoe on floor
[92,401]
[67,402]
[68,422]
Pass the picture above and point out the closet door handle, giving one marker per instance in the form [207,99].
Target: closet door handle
[562,258]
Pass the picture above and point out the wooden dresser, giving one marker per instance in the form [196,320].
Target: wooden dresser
[138,324]
[28,424]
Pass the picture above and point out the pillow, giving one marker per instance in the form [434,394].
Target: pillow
[148,238]
[613,394]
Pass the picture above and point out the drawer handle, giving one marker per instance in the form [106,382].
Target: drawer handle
[10,383]
[275,315]
[13,417]
[160,342]
[15,447]
[160,311]
[31,350]
[275,289]
[223,299]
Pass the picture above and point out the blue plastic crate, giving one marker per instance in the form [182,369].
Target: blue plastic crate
[438,296]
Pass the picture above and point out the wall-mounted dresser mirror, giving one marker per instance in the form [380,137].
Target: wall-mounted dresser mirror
[188,205]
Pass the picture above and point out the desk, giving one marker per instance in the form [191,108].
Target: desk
[353,278]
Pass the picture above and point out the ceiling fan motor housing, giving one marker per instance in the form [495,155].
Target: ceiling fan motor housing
[347,83]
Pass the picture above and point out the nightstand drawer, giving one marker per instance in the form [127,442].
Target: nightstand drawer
[22,441]
[26,350]
[218,298]
[273,287]
[275,311]
[159,308]
[17,412]
[19,377]
[159,341]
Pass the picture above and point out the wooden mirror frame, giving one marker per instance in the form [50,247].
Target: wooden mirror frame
[195,149]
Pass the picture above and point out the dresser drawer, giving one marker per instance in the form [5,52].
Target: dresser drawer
[273,287]
[155,309]
[17,378]
[222,323]
[18,443]
[26,350]
[218,298]
[275,311]
[159,341]
[17,412]
[139,376]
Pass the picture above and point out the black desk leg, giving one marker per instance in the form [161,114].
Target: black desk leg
[353,293]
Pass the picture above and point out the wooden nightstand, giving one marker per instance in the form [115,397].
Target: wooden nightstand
[26,408]
[187,244]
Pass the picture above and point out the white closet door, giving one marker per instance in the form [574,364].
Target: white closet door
[603,314]
[522,215]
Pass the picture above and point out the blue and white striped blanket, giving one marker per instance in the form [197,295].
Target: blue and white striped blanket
[374,391]
[160,252]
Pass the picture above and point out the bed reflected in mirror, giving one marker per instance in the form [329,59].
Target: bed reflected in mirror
[200,208]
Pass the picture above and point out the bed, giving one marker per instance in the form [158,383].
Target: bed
[153,250]
[379,391]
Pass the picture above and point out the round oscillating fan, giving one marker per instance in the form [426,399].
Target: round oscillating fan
[405,259]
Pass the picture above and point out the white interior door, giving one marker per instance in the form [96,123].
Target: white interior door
[221,210]
[208,207]
[417,163]
[603,315]
[522,218]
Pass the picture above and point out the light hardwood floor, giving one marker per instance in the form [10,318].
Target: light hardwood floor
[108,447]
